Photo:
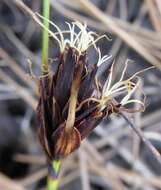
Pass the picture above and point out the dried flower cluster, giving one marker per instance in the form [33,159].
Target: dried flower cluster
[72,100]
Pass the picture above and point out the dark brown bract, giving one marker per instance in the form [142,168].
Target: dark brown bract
[74,79]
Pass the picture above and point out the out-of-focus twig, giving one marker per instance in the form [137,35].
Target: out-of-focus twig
[154,151]
[29,159]
[17,69]
[83,169]
[93,10]
[8,184]
[18,44]
[155,17]
[22,92]
[34,177]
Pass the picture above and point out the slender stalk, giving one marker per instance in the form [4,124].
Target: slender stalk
[45,37]
[54,166]
[141,135]
[53,172]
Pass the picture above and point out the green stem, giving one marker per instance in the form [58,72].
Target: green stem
[45,37]
[53,172]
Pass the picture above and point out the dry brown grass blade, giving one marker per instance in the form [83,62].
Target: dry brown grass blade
[155,17]
[137,120]
[97,161]
[158,2]
[109,23]
[21,47]
[136,30]
[146,121]
[84,170]
[34,177]
[154,151]
[147,38]
[134,177]
[133,43]
[110,178]
[8,184]
[27,10]
[30,159]
[69,178]
[16,69]
[22,92]
[126,175]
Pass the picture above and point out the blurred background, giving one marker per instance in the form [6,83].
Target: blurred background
[113,157]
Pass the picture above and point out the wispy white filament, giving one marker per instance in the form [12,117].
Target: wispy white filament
[123,86]
[81,41]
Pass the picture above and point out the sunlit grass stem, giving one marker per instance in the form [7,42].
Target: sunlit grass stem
[52,180]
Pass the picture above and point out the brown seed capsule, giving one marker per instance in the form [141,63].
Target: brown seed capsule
[66,142]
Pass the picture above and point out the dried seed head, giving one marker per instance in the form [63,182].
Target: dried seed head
[72,100]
